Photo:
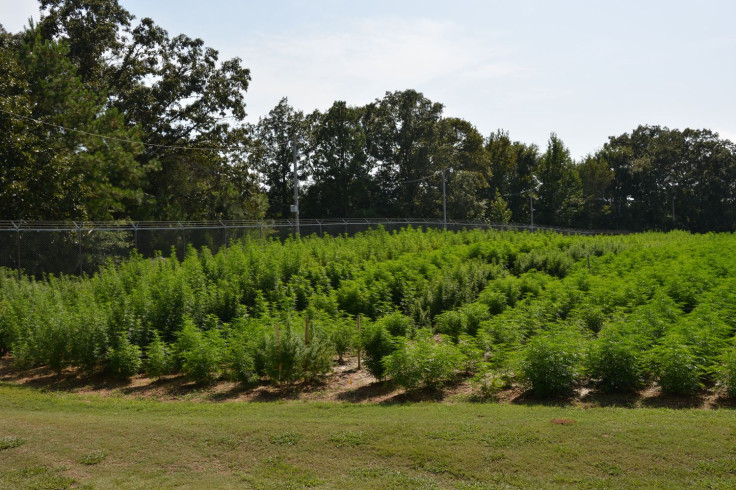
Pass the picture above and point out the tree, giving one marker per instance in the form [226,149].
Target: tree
[274,158]
[342,185]
[658,171]
[174,91]
[49,172]
[402,131]
[560,192]
[596,179]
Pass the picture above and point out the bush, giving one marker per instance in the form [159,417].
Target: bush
[616,361]
[159,358]
[282,358]
[494,300]
[316,356]
[396,324]
[550,363]
[377,343]
[727,372]
[342,337]
[422,362]
[452,323]
[240,360]
[125,359]
[201,354]
[475,314]
[676,367]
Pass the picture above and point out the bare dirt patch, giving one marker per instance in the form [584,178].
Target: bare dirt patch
[346,383]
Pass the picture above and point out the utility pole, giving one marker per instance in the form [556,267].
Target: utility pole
[444,203]
[531,206]
[295,207]
[673,209]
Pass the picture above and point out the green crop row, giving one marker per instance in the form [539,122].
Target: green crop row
[543,309]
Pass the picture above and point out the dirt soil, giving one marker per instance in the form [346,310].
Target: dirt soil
[346,383]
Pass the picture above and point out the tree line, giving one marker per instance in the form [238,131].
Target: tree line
[103,117]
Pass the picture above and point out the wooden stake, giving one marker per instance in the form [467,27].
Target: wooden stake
[359,349]
[278,347]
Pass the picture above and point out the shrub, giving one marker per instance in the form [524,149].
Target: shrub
[342,337]
[201,359]
[282,358]
[125,359]
[377,343]
[422,362]
[676,367]
[396,324]
[550,363]
[472,351]
[727,372]
[616,361]
[316,356]
[452,323]
[159,358]
[494,300]
[240,360]
[475,314]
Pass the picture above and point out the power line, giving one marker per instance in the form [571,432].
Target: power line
[123,140]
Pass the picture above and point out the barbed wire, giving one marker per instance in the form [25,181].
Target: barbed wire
[123,140]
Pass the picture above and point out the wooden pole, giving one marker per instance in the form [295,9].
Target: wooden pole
[278,348]
[359,349]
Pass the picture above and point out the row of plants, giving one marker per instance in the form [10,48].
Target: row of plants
[546,310]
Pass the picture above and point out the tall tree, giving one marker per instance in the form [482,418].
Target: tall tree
[342,185]
[178,95]
[560,193]
[273,155]
[47,171]
[402,132]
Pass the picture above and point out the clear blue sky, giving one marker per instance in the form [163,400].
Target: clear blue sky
[585,69]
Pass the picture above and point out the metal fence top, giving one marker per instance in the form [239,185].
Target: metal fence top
[126,225]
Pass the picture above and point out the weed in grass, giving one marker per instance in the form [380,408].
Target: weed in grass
[387,478]
[9,442]
[285,439]
[274,472]
[436,467]
[608,468]
[717,467]
[36,477]
[495,457]
[348,438]
[509,439]
[95,457]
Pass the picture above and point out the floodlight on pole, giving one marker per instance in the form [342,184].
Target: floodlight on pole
[295,206]
[536,186]
[444,203]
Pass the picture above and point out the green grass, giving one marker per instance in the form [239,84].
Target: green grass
[157,444]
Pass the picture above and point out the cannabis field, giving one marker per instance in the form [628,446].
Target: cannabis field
[542,312]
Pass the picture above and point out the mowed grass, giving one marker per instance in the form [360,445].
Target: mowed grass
[80,441]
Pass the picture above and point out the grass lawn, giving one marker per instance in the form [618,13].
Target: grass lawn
[62,440]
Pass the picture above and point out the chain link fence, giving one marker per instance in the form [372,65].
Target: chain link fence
[45,247]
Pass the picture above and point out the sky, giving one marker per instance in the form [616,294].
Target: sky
[585,70]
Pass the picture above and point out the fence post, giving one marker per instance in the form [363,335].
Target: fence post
[359,349]
[17,246]
[182,236]
[278,347]
[223,236]
[135,236]
[79,240]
